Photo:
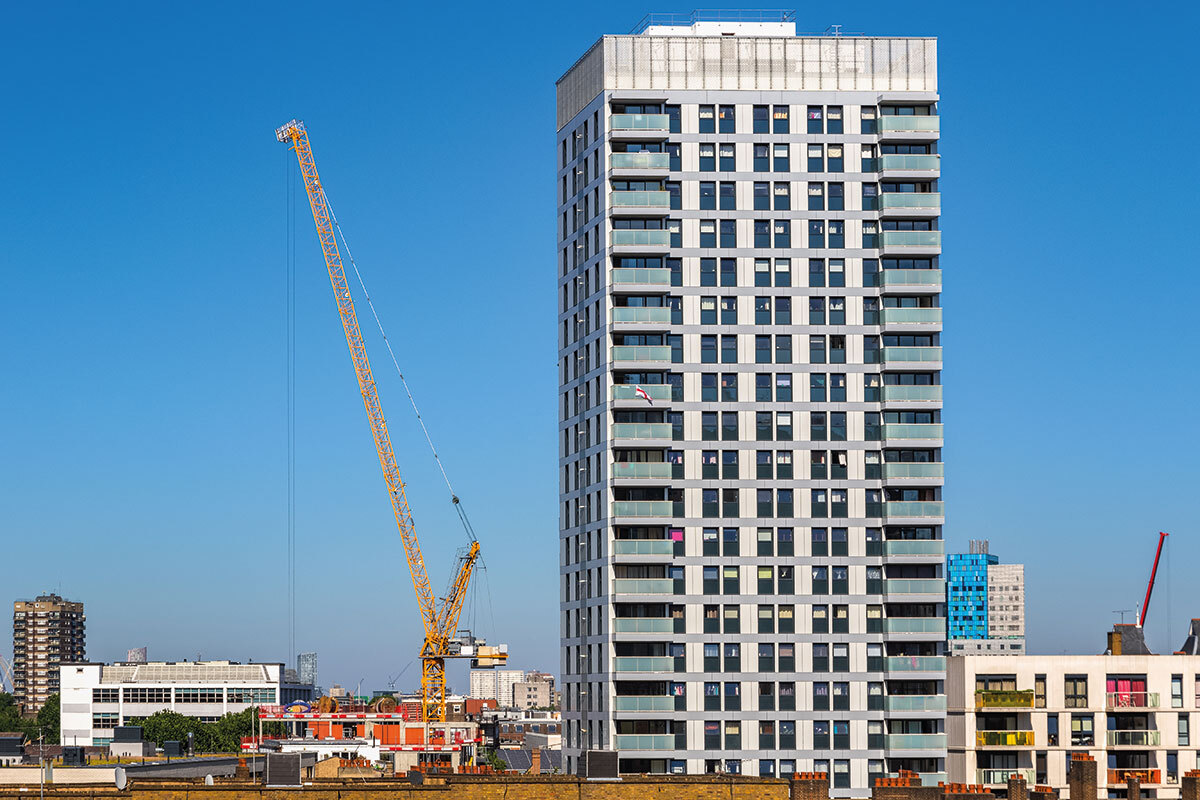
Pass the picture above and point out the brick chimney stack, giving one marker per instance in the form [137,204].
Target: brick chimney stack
[1082,778]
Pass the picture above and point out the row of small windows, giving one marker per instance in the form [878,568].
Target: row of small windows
[182,694]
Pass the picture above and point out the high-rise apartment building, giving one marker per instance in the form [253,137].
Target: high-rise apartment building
[985,602]
[495,684]
[750,375]
[47,632]
[306,668]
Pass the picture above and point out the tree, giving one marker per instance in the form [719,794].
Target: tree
[48,718]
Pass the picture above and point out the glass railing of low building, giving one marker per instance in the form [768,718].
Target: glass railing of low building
[639,122]
[1004,738]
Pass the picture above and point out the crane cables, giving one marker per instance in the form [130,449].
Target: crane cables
[458,506]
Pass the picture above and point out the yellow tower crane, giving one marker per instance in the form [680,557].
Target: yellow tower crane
[440,621]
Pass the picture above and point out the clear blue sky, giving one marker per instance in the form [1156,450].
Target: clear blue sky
[143,314]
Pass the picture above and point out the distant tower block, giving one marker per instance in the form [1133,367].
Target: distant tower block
[136,655]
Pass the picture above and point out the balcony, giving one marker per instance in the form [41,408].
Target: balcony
[904,470]
[643,547]
[643,664]
[914,509]
[643,586]
[916,741]
[1134,738]
[912,355]
[932,625]
[908,124]
[644,741]
[642,314]
[910,201]
[910,280]
[643,508]
[642,238]
[910,239]
[915,663]
[643,625]
[1004,738]
[641,430]
[1131,700]
[641,161]
[912,394]
[640,201]
[639,122]
[657,391]
[930,431]
[643,703]
[915,702]
[1016,698]
[995,776]
[907,163]
[660,354]
[641,276]
[642,469]
[914,547]
[934,586]
[891,317]
[1120,777]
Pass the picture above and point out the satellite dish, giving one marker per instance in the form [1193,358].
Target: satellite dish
[120,779]
[208,781]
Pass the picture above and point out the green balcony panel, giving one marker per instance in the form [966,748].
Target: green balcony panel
[903,469]
[1015,698]
[912,239]
[641,160]
[639,122]
[643,547]
[916,663]
[912,430]
[657,353]
[915,702]
[659,391]
[643,664]
[922,200]
[643,625]
[914,586]
[639,703]
[916,741]
[641,430]
[914,509]
[914,547]
[912,394]
[661,316]
[892,278]
[643,508]
[621,199]
[992,777]
[908,163]
[642,276]
[643,238]
[915,624]
[643,586]
[909,355]
[908,124]
[644,741]
[911,316]
[1134,738]
[642,469]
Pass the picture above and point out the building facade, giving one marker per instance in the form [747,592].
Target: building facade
[495,684]
[535,691]
[47,632]
[985,603]
[750,431]
[1133,714]
[98,698]
[306,666]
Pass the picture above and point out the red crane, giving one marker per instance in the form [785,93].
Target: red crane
[1153,571]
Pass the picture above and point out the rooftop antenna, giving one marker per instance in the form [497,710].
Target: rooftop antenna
[834,30]
[1123,612]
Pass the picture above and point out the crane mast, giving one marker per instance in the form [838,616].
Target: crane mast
[439,624]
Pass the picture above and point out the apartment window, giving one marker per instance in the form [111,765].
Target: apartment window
[783,197]
[833,116]
[761,119]
[762,233]
[728,239]
[710,574]
[727,154]
[837,385]
[762,382]
[730,543]
[762,272]
[836,162]
[708,233]
[732,620]
[1177,691]
[708,272]
[729,349]
[820,577]
[867,122]
[787,620]
[837,272]
[783,349]
[729,426]
[816,158]
[674,157]
[783,426]
[762,197]
[708,195]
[762,158]
[783,272]
[841,657]
[1075,691]
[783,387]
[816,197]
[783,233]
[733,657]
[837,233]
[841,697]
[729,501]
[816,349]
[708,158]
[837,197]
[726,118]
[707,121]
[762,426]
[816,272]
[779,116]
[1184,732]
[782,161]
[1082,732]
[728,196]
[816,233]
[105,695]
[820,619]
[816,120]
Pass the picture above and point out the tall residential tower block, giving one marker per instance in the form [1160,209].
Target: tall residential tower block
[750,438]
[47,632]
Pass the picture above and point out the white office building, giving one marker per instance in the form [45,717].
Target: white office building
[495,684]
[97,698]
[750,439]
